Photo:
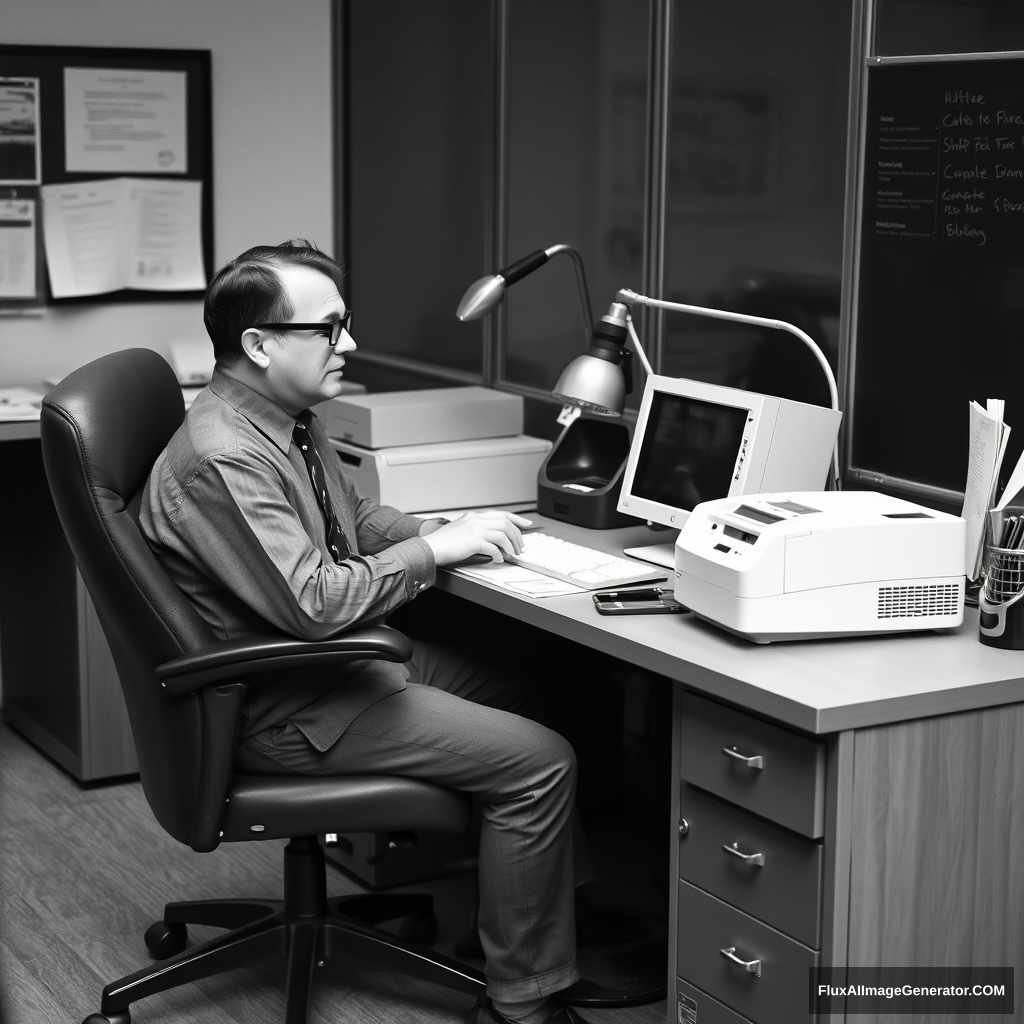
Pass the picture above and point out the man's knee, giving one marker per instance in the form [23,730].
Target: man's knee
[554,760]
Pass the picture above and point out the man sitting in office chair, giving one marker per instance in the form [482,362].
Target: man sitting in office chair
[249,512]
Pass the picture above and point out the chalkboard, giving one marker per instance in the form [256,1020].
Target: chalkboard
[940,301]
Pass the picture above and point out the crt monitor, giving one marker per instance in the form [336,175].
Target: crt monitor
[696,442]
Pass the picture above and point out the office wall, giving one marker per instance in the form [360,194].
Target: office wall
[271,150]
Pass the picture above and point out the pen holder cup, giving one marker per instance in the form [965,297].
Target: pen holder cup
[1001,602]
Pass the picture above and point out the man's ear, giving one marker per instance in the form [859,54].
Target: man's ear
[254,346]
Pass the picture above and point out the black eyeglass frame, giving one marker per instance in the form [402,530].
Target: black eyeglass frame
[335,327]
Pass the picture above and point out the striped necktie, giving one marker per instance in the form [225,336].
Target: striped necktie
[303,438]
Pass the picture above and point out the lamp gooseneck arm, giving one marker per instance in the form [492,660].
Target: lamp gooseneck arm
[629,297]
[581,284]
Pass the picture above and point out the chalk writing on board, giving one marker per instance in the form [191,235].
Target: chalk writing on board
[940,277]
[948,167]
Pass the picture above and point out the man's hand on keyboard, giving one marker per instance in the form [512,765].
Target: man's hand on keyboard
[490,533]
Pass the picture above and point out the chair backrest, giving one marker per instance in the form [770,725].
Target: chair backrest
[102,429]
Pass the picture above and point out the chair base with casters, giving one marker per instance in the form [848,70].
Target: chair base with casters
[305,928]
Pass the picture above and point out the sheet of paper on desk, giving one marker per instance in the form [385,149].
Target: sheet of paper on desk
[101,236]
[19,404]
[519,580]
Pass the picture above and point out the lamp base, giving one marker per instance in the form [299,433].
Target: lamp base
[580,480]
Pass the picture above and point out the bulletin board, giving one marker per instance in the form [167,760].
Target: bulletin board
[117,145]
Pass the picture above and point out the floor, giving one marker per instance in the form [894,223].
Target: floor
[83,872]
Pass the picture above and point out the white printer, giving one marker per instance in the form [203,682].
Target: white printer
[793,566]
[434,449]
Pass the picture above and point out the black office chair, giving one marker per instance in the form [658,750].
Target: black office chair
[102,428]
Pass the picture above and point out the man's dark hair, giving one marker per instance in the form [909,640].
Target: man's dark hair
[248,291]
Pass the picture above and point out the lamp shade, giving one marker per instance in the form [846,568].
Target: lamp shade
[594,384]
[481,297]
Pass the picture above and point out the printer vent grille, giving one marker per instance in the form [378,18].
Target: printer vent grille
[918,602]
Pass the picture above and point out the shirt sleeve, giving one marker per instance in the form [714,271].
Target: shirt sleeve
[236,520]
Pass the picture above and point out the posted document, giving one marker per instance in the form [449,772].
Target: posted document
[118,121]
[101,236]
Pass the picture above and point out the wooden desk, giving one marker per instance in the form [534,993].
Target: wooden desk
[890,807]
[60,687]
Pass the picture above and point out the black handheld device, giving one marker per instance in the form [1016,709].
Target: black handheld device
[648,601]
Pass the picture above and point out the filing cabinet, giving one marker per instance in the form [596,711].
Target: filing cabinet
[60,685]
[748,922]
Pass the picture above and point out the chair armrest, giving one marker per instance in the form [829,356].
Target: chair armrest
[270,652]
[220,707]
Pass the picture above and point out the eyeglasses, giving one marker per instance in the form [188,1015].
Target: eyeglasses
[331,330]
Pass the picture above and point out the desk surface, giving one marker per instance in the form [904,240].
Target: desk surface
[820,686]
[17,430]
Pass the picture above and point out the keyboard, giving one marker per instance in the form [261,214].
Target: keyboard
[582,566]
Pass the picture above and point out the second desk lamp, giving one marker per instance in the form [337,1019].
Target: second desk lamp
[580,479]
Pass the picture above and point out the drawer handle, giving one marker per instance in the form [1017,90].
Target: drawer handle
[747,858]
[756,761]
[753,966]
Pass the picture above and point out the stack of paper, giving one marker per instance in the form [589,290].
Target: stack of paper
[989,435]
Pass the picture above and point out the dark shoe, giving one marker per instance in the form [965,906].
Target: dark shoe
[487,1014]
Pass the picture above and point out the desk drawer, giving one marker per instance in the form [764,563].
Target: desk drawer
[696,1007]
[789,785]
[707,926]
[784,891]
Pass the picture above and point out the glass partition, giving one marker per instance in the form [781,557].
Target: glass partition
[756,186]
[420,108]
[577,107]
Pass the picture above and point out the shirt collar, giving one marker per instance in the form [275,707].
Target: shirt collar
[266,416]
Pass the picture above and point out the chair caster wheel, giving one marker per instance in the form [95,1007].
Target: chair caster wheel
[122,1017]
[420,929]
[164,940]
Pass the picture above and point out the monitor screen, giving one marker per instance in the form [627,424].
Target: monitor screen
[688,453]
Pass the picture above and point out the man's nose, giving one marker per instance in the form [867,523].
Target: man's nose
[345,342]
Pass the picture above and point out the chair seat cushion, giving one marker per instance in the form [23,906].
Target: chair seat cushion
[283,806]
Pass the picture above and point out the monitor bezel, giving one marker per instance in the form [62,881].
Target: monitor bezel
[715,394]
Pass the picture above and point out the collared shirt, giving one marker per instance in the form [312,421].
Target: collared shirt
[230,512]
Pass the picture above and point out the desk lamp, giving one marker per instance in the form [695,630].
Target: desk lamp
[597,381]
[581,380]
[589,456]
[486,294]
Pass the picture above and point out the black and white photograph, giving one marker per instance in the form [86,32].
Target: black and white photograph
[511,511]
[19,131]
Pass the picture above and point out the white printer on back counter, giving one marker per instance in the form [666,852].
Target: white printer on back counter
[434,449]
[793,566]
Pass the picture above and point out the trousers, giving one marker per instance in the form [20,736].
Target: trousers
[466,725]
